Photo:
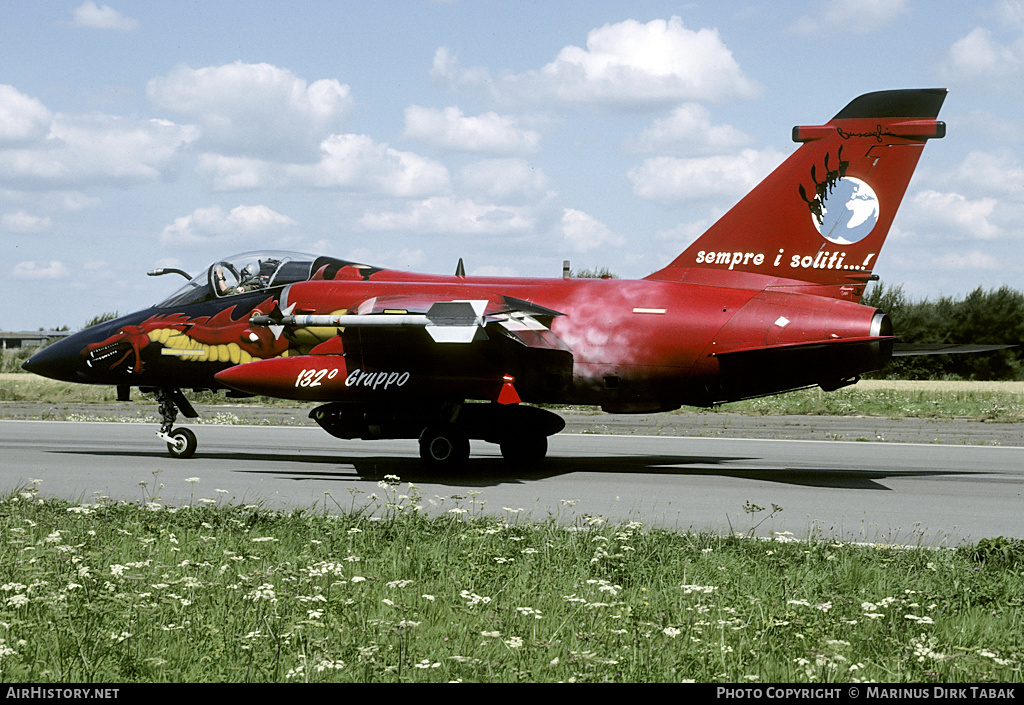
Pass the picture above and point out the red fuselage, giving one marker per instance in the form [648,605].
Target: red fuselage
[635,345]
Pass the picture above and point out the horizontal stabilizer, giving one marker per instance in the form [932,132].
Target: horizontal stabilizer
[830,364]
[814,344]
[911,349]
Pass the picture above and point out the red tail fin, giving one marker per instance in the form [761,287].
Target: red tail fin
[819,220]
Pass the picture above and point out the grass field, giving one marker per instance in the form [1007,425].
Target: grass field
[368,588]
[208,592]
[983,401]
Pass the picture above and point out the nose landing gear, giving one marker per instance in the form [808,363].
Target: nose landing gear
[181,442]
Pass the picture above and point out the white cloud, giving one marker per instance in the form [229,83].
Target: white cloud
[90,15]
[54,269]
[96,147]
[22,222]
[348,162]
[53,200]
[1011,12]
[672,180]
[585,233]
[37,146]
[447,69]
[991,173]
[255,109]
[450,129]
[688,131]
[214,225]
[237,173]
[856,16]
[22,117]
[358,163]
[979,55]
[626,66]
[447,215]
[937,212]
[979,199]
[119,147]
[992,55]
[504,180]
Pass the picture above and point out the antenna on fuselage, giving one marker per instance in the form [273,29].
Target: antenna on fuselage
[460,269]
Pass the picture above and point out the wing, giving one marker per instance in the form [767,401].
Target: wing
[912,349]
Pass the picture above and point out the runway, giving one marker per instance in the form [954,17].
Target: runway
[861,491]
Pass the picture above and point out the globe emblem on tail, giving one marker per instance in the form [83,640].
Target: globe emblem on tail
[849,211]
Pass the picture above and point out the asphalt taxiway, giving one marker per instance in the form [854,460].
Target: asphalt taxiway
[880,492]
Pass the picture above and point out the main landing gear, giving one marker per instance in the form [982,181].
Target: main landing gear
[447,445]
[445,430]
[181,442]
[444,445]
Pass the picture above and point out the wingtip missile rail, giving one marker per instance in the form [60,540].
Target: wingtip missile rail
[445,321]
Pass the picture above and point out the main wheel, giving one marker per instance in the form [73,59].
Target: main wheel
[444,446]
[184,444]
[527,450]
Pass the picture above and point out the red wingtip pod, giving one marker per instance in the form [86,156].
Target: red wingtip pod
[818,222]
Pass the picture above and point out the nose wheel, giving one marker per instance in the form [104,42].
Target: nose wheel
[181,442]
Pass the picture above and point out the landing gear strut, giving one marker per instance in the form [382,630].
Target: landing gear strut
[181,442]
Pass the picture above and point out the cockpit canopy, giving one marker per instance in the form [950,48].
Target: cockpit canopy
[254,271]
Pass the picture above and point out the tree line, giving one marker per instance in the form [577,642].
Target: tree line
[982,317]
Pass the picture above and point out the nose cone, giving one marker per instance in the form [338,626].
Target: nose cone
[57,361]
[61,360]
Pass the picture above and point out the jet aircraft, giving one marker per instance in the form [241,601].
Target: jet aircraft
[767,300]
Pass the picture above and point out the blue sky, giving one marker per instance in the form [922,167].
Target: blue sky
[513,134]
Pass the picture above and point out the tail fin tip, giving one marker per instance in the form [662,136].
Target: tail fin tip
[901,103]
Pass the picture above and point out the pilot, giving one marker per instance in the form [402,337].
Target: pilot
[251,279]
